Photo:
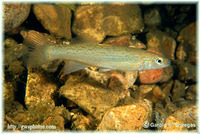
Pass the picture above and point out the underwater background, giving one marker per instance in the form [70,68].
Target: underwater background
[45,98]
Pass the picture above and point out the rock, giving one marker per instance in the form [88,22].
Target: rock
[176,121]
[89,95]
[170,107]
[80,122]
[171,32]
[117,81]
[127,101]
[189,113]
[120,81]
[99,21]
[162,43]
[129,117]
[158,94]
[44,116]
[150,92]
[9,91]
[12,108]
[54,123]
[166,87]
[167,74]
[178,91]
[136,43]
[181,53]
[144,90]
[191,92]
[131,77]
[152,17]
[14,15]
[119,84]
[173,124]
[102,78]
[11,59]
[186,72]
[187,38]
[39,89]
[119,41]
[56,19]
[150,76]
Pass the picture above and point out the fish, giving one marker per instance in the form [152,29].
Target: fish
[38,50]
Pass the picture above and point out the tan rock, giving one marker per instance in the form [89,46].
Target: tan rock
[130,117]
[39,89]
[173,124]
[162,43]
[89,95]
[54,123]
[99,20]
[14,15]
[56,19]
[187,38]
[178,90]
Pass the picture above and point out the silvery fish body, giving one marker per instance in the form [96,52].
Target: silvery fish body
[100,55]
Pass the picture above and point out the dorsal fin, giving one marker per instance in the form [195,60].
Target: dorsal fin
[83,39]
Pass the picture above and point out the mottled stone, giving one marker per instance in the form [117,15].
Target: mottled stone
[144,90]
[39,89]
[162,43]
[173,124]
[158,94]
[190,114]
[178,90]
[131,77]
[14,15]
[11,57]
[187,38]
[89,95]
[181,53]
[54,123]
[186,72]
[119,41]
[129,117]
[49,118]
[122,79]
[166,87]
[119,84]
[9,91]
[152,17]
[56,19]
[167,74]
[80,122]
[134,43]
[191,93]
[150,76]
[102,78]
[98,21]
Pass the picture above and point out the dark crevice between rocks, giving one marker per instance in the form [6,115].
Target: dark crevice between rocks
[32,23]
[21,89]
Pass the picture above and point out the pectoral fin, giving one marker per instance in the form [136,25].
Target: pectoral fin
[72,66]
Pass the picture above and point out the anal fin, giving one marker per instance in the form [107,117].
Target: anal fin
[72,66]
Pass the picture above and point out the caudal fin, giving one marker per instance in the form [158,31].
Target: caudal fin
[34,48]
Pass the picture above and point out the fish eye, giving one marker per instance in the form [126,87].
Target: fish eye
[159,61]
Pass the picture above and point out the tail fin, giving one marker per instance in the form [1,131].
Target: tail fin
[34,47]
